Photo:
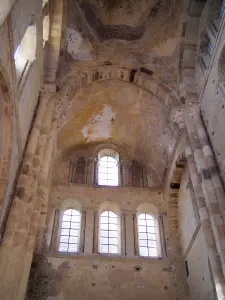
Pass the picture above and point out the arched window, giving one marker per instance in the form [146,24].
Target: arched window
[70,231]
[26,52]
[108,168]
[137,179]
[147,235]
[45,29]
[109,233]
[77,171]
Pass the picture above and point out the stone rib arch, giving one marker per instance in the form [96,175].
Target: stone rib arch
[6,140]
[146,82]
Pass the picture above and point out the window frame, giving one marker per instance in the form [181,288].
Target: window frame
[98,168]
[157,236]
[118,234]
[79,243]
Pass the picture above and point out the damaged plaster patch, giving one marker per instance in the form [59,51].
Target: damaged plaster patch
[78,47]
[100,125]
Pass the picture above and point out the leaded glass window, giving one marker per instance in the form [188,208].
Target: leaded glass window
[147,235]
[109,233]
[222,11]
[108,171]
[70,231]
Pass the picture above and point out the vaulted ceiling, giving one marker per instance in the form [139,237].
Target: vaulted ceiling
[137,34]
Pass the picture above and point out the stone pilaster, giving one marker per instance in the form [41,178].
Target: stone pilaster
[214,210]
[22,223]
[129,233]
[89,231]
[206,225]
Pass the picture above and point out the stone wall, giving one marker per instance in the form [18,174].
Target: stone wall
[213,103]
[59,277]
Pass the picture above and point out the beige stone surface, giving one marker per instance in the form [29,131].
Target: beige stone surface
[132,76]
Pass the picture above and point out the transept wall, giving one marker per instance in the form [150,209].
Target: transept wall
[90,87]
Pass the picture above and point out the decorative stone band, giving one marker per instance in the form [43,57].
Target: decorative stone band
[206,225]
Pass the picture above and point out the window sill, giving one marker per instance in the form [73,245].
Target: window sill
[116,257]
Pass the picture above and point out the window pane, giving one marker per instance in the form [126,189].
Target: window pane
[65,224]
[104,226]
[112,226]
[73,232]
[112,214]
[73,240]
[108,232]
[142,222]
[66,218]
[113,234]
[104,220]
[143,251]
[64,239]
[63,247]
[113,249]
[68,212]
[65,231]
[150,223]
[152,252]
[143,243]
[74,225]
[75,218]
[104,248]
[142,228]
[70,231]
[72,248]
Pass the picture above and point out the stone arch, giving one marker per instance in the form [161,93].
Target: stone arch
[147,82]
[6,137]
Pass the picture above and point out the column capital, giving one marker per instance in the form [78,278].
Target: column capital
[177,116]
[126,162]
[193,107]
[48,89]
[73,158]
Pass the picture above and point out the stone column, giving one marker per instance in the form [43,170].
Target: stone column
[19,240]
[90,170]
[162,236]
[210,197]
[125,165]
[129,233]
[206,225]
[89,231]
[73,169]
